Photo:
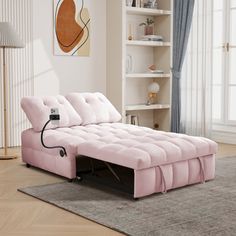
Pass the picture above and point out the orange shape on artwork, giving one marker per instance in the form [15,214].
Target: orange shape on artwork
[68,31]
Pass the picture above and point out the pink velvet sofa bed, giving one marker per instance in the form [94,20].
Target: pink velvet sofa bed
[90,126]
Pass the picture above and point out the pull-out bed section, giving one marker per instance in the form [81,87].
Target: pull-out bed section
[89,127]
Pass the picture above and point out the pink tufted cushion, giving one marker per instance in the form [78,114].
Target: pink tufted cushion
[37,110]
[94,108]
[126,145]
[139,147]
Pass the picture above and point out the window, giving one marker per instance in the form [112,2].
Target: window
[224,63]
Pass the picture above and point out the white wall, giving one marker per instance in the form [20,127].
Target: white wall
[64,74]
[19,68]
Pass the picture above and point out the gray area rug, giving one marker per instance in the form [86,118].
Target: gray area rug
[202,209]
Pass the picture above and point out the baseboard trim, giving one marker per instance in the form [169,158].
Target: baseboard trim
[224,137]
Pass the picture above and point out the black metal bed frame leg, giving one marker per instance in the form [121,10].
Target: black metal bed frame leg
[112,171]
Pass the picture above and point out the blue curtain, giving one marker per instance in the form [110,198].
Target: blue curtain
[182,19]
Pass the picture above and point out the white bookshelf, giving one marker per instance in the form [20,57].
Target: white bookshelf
[147,43]
[146,11]
[140,107]
[127,90]
[147,75]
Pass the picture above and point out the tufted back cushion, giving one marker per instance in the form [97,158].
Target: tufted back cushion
[93,108]
[37,110]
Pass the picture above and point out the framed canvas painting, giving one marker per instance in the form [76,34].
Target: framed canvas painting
[71,28]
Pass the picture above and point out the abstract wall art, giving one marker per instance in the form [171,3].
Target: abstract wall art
[71,28]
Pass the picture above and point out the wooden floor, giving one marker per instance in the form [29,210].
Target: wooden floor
[22,215]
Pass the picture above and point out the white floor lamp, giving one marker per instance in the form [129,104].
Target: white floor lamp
[8,39]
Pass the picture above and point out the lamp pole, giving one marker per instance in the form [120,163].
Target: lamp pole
[8,39]
[5,111]
[5,101]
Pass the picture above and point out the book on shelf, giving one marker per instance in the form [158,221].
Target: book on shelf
[132,119]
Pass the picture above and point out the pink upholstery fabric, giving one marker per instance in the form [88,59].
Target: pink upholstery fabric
[140,148]
[50,161]
[160,160]
[37,110]
[94,108]
[126,145]
[177,174]
[155,156]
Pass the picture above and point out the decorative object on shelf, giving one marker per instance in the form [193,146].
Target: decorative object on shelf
[141,3]
[148,26]
[130,37]
[132,119]
[157,71]
[129,3]
[136,3]
[153,89]
[129,64]
[151,4]
[72,26]
[8,39]
[153,69]
[128,119]
[150,37]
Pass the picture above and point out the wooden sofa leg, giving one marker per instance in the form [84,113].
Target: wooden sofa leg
[28,165]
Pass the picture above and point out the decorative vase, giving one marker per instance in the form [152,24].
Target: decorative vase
[148,30]
[129,64]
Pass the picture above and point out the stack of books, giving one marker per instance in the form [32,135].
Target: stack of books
[158,38]
[131,119]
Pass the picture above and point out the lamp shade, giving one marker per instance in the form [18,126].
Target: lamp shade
[8,36]
[153,87]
